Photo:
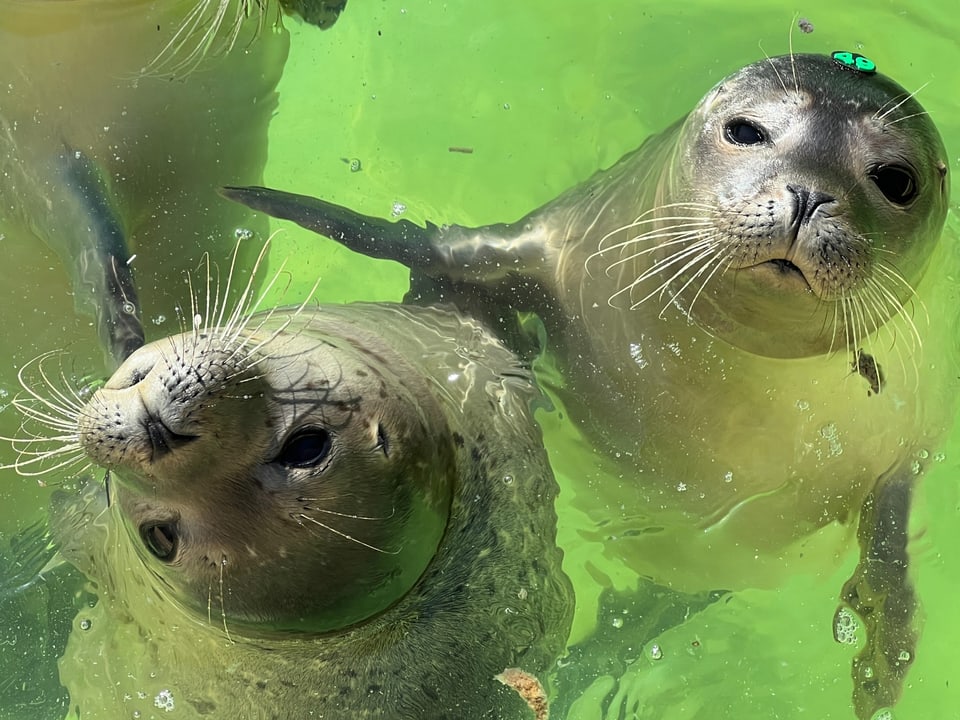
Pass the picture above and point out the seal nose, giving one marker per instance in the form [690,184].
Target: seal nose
[807,201]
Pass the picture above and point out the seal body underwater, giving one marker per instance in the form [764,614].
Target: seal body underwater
[116,120]
[344,511]
[711,302]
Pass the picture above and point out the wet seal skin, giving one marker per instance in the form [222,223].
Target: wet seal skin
[340,511]
[705,299]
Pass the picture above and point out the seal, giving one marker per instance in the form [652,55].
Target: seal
[119,118]
[736,311]
[339,510]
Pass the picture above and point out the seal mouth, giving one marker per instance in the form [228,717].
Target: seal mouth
[784,273]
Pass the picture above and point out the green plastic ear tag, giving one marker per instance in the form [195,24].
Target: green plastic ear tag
[854,61]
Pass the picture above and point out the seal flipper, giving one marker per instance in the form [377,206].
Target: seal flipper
[93,244]
[881,593]
[482,271]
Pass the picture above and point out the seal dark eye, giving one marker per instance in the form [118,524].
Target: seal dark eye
[161,539]
[305,448]
[742,132]
[895,182]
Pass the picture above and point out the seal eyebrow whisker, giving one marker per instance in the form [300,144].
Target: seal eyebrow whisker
[793,59]
[300,516]
[773,65]
[878,116]
[907,117]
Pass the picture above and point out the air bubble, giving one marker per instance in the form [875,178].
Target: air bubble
[85,624]
[243,234]
[617,622]
[728,476]
[164,700]
[883,714]
[655,652]
[508,479]
[398,209]
[845,626]
[129,308]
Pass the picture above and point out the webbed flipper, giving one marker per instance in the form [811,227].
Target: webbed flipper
[881,593]
[488,272]
[402,241]
[93,243]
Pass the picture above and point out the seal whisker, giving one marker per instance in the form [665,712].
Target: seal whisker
[898,308]
[678,229]
[723,262]
[696,249]
[197,37]
[301,516]
[699,250]
[682,239]
[707,256]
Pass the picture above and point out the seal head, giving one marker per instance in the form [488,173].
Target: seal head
[317,463]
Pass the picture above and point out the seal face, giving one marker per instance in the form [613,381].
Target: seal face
[349,507]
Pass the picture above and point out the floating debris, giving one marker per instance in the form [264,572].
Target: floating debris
[527,687]
[869,369]
[464,150]
[805,25]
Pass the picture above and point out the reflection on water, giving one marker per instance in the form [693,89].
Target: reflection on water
[543,97]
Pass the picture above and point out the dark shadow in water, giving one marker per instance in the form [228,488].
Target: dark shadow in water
[648,612]
[36,616]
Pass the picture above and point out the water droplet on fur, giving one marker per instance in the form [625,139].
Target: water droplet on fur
[728,476]
[922,454]
[243,234]
[617,622]
[85,624]
[159,319]
[129,308]
[508,479]
[398,209]
[904,656]
[655,652]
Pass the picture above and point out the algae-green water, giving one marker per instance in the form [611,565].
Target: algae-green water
[543,94]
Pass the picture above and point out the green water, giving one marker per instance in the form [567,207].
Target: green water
[544,93]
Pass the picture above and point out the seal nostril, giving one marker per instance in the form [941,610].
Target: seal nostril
[807,202]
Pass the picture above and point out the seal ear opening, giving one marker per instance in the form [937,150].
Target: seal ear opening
[161,539]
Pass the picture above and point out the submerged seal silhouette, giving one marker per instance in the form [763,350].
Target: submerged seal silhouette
[117,120]
[340,510]
[733,310]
